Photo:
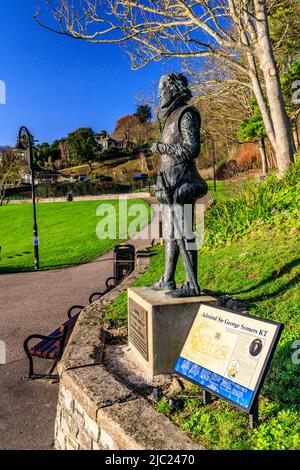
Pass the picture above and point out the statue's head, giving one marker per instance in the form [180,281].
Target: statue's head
[171,86]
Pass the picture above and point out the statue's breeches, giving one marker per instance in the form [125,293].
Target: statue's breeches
[183,183]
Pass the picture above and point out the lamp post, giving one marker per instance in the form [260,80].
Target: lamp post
[25,143]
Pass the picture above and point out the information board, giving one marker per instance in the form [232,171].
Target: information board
[228,354]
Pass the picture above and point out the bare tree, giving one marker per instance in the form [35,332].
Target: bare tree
[225,99]
[150,99]
[228,31]
[10,166]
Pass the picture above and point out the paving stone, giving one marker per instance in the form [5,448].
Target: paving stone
[71,444]
[74,429]
[69,401]
[96,446]
[84,439]
[107,442]
[60,442]
[92,427]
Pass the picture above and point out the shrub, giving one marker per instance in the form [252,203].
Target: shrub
[270,201]
[227,170]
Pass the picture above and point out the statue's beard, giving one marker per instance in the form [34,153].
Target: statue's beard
[166,105]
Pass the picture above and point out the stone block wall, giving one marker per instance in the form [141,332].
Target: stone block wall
[75,429]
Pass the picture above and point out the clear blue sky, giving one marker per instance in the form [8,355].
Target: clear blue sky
[56,84]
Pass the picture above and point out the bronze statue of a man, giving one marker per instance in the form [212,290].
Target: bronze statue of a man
[179,184]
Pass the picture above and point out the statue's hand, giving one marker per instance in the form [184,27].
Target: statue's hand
[154,148]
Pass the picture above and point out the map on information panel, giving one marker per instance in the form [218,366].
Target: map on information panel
[228,353]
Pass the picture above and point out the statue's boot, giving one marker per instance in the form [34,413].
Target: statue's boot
[187,289]
[167,281]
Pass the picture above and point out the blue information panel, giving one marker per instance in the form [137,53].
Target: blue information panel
[215,383]
[228,354]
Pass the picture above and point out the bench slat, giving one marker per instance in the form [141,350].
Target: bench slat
[52,351]
[45,343]
[46,346]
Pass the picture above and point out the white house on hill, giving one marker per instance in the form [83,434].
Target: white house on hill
[106,142]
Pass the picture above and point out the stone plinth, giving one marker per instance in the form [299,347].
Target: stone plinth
[158,326]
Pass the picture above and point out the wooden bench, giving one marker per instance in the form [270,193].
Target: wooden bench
[51,347]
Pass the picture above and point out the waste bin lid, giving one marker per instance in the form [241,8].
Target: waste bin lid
[123,246]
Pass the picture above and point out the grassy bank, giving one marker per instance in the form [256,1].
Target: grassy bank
[67,233]
[226,190]
[260,264]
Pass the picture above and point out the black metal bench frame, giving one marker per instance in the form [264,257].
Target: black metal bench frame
[97,295]
[59,340]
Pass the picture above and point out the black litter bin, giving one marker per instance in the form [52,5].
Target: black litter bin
[124,261]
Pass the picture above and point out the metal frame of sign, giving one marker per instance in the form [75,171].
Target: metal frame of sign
[251,409]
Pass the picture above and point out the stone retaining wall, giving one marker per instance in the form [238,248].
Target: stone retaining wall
[96,409]
[101,197]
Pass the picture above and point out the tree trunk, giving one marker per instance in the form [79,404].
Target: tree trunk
[258,92]
[271,156]
[282,128]
[264,160]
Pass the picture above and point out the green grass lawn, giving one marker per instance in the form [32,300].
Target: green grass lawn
[226,190]
[217,195]
[67,234]
[262,268]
